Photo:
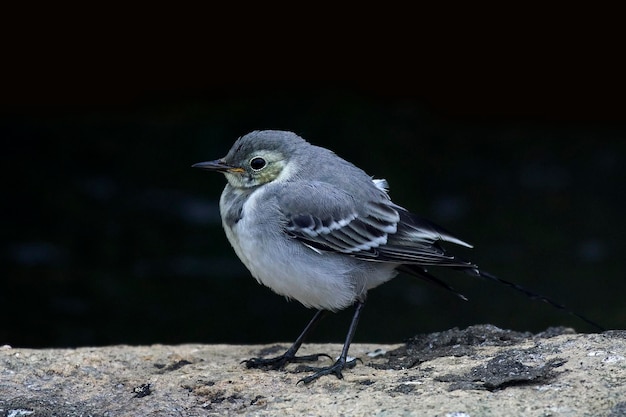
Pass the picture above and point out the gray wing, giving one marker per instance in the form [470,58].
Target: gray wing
[328,219]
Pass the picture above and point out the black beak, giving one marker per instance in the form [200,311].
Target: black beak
[218,165]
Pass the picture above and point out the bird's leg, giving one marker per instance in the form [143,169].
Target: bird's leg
[290,355]
[342,361]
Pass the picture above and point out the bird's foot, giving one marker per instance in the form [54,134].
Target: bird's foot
[279,362]
[334,369]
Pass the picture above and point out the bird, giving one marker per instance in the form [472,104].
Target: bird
[315,228]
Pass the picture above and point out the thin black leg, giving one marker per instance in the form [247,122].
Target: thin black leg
[290,355]
[341,362]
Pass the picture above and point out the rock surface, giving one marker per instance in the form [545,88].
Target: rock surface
[479,371]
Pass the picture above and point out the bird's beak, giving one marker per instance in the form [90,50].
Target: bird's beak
[218,165]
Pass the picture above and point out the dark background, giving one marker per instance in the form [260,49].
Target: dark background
[108,235]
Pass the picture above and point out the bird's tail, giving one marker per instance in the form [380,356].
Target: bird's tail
[535,296]
[421,273]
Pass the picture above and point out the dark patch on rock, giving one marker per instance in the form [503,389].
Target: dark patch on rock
[200,383]
[171,367]
[256,400]
[403,389]
[618,334]
[553,332]
[219,398]
[142,390]
[455,342]
[504,370]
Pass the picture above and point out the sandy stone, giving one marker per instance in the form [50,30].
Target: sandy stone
[479,371]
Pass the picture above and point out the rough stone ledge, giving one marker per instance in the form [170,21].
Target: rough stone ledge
[479,371]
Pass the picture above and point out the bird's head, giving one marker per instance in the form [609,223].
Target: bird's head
[258,158]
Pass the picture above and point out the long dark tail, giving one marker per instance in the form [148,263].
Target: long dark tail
[421,273]
[533,295]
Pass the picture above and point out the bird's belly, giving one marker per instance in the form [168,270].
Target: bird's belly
[295,271]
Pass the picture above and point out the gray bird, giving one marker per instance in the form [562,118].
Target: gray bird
[315,228]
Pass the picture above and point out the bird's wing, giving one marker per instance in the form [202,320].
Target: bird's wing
[328,219]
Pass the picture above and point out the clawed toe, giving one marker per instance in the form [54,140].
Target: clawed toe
[334,369]
[261,363]
[279,362]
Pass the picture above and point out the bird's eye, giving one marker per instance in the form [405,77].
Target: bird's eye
[257,163]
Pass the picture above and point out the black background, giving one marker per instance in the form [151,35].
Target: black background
[513,141]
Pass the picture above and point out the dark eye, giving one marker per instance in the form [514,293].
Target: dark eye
[257,163]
